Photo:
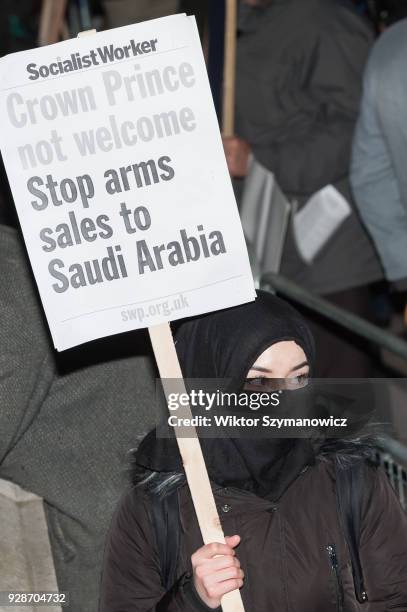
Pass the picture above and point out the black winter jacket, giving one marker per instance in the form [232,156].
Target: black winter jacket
[293,553]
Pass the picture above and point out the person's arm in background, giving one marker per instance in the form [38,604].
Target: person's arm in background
[27,364]
[132,582]
[383,546]
[379,170]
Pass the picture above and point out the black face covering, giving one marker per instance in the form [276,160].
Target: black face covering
[225,345]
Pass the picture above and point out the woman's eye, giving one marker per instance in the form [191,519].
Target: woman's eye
[297,382]
[263,384]
[277,384]
[257,382]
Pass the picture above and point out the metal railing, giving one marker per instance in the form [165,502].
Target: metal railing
[397,475]
[342,317]
[392,456]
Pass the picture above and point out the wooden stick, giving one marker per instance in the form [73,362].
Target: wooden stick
[51,21]
[191,452]
[229,69]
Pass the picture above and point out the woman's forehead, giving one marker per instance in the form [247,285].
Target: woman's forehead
[285,351]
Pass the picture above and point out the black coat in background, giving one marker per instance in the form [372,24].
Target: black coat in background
[299,73]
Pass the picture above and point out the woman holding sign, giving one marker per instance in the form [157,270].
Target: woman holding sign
[288,548]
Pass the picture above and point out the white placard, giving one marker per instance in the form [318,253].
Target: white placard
[114,157]
[318,220]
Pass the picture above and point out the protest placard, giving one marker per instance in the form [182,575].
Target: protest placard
[116,165]
[115,161]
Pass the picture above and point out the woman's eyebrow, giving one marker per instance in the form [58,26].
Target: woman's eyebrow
[259,369]
[299,366]
[294,369]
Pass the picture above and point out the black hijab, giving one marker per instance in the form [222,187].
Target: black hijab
[225,345]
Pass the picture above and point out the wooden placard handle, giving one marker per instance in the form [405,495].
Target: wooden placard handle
[51,21]
[191,454]
[229,70]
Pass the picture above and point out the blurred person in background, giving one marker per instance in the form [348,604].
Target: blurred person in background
[63,421]
[299,75]
[66,421]
[378,176]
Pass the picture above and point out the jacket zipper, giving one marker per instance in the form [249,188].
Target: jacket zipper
[333,558]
